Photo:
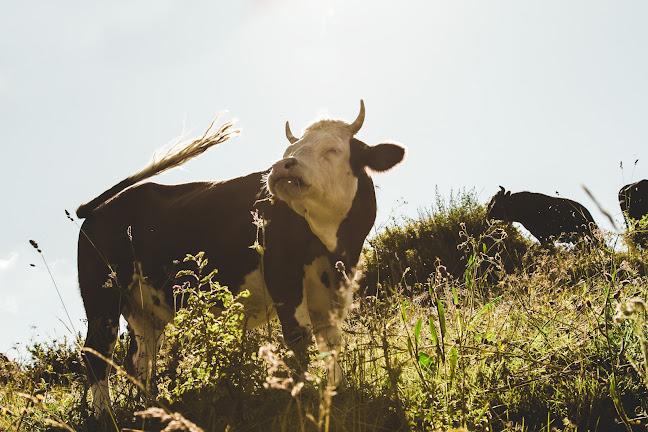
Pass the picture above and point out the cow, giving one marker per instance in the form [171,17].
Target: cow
[317,204]
[548,218]
[633,200]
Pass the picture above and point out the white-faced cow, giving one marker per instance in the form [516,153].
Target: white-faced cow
[633,200]
[548,218]
[318,203]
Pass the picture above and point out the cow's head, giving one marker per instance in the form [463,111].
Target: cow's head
[499,205]
[318,176]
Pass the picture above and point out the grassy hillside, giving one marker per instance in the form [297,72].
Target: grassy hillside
[504,336]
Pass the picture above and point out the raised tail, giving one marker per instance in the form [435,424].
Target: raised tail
[164,160]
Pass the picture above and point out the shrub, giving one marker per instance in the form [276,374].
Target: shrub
[56,362]
[408,254]
[205,361]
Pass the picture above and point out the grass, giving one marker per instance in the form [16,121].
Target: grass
[556,342]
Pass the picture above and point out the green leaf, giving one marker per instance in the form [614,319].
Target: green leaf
[490,305]
[409,347]
[435,338]
[184,273]
[425,361]
[189,257]
[453,357]
[442,320]
[417,332]
[203,263]
[200,255]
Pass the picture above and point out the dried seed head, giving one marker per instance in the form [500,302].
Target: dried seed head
[35,245]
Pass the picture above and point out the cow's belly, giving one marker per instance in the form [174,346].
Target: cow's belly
[149,311]
[146,303]
[259,307]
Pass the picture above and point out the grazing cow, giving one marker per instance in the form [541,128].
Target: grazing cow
[633,200]
[547,218]
[318,204]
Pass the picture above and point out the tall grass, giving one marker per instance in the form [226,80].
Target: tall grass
[520,339]
[409,251]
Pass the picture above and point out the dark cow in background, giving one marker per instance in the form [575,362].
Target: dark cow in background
[633,200]
[548,218]
[318,203]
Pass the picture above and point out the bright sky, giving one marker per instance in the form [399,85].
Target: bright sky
[537,95]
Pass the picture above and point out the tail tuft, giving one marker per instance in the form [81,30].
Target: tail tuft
[172,157]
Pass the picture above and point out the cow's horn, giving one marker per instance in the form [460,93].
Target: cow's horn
[357,124]
[289,135]
[502,189]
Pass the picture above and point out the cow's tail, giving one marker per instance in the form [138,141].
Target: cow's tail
[165,159]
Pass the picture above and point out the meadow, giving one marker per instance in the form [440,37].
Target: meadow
[457,324]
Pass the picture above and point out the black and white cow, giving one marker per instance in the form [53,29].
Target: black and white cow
[318,203]
[548,218]
[633,200]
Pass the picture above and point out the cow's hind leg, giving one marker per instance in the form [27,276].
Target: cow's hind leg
[145,341]
[103,327]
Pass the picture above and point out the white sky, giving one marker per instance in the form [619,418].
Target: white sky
[536,95]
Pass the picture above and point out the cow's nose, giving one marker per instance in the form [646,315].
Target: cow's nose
[286,163]
[290,162]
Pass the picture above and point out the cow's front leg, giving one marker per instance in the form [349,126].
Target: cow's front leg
[328,298]
[297,332]
[328,336]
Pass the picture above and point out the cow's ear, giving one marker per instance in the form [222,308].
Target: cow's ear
[382,157]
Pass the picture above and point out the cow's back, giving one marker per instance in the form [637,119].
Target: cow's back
[633,199]
[545,216]
[155,226]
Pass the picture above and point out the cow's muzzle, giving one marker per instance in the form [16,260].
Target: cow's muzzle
[286,180]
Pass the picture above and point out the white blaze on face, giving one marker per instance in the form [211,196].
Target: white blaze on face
[316,180]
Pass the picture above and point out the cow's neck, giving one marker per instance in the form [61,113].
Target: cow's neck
[326,229]
[325,220]
[358,223]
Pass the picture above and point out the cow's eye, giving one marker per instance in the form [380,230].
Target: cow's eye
[332,152]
